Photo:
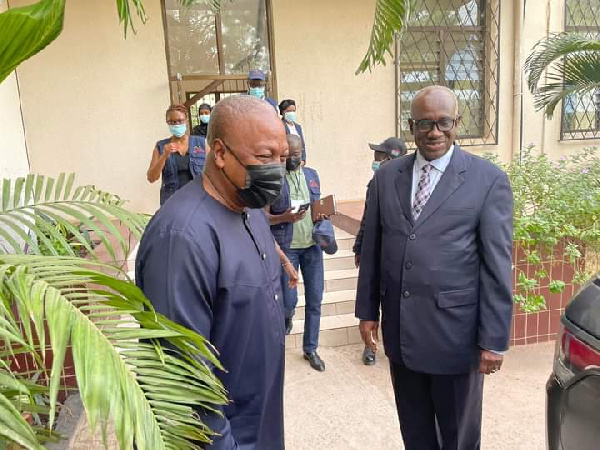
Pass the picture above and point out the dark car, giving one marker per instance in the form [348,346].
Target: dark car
[573,402]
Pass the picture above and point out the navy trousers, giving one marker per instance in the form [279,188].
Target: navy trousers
[438,411]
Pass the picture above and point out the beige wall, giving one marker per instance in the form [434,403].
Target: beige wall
[318,46]
[13,150]
[94,103]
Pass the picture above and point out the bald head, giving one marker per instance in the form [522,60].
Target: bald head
[232,111]
[438,94]
[434,120]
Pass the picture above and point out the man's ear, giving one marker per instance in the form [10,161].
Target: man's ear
[218,150]
[458,119]
[411,124]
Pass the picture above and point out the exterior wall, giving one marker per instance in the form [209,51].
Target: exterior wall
[94,102]
[318,46]
[13,150]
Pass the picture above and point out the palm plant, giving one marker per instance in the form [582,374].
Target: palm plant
[391,19]
[55,304]
[571,62]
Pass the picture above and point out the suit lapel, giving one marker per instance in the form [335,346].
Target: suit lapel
[404,185]
[450,181]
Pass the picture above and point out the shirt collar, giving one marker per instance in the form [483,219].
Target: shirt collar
[439,164]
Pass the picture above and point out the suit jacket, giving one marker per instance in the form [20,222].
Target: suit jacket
[443,283]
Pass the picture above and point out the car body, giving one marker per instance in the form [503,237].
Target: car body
[573,390]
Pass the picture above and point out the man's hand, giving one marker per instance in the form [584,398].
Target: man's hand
[292,274]
[369,330]
[291,217]
[490,362]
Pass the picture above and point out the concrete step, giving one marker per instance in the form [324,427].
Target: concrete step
[335,331]
[343,259]
[334,303]
[344,243]
[336,280]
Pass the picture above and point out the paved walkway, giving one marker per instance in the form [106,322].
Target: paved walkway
[351,406]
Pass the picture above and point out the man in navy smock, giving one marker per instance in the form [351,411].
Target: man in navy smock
[208,261]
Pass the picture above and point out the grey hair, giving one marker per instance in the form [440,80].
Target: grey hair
[430,90]
[294,141]
[228,111]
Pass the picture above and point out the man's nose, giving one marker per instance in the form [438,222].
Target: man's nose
[434,133]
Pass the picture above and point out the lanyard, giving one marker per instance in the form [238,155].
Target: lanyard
[296,182]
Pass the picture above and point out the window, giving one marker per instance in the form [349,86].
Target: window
[454,44]
[210,54]
[580,120]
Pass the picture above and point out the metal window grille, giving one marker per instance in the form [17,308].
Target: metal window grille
[455,44]
[209,54]
[580,118]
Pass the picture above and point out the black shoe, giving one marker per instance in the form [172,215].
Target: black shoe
[289,324]
[315,361]
[368,357]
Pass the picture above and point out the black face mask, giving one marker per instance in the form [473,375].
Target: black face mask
[263,183]
[292,164]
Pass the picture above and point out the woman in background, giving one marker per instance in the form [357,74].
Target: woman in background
[179,158]
[287,109]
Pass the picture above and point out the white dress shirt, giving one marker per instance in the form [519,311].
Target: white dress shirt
[438,168]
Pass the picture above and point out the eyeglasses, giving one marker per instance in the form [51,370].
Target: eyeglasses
[443,125]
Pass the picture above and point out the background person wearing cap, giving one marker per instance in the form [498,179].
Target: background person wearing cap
[287,109]
[257,85]
[389,149]
[293,231]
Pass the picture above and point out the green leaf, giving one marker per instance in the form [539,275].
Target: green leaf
[391,19]
[27,30]
[571,62]
[146,393]
[556,286]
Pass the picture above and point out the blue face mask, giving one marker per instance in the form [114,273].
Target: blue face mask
[257,91]
[376,165]
[205,118]
[290,116]
[178,130]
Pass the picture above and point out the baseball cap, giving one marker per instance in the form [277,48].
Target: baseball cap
[391,146]
[324,236]
[257,74]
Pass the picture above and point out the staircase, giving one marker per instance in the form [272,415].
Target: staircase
[338,324]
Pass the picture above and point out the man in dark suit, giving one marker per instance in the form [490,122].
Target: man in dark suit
[436,257]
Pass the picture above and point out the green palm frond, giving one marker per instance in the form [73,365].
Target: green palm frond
[82,212]
[124,376]
[391,18]
[572,65]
